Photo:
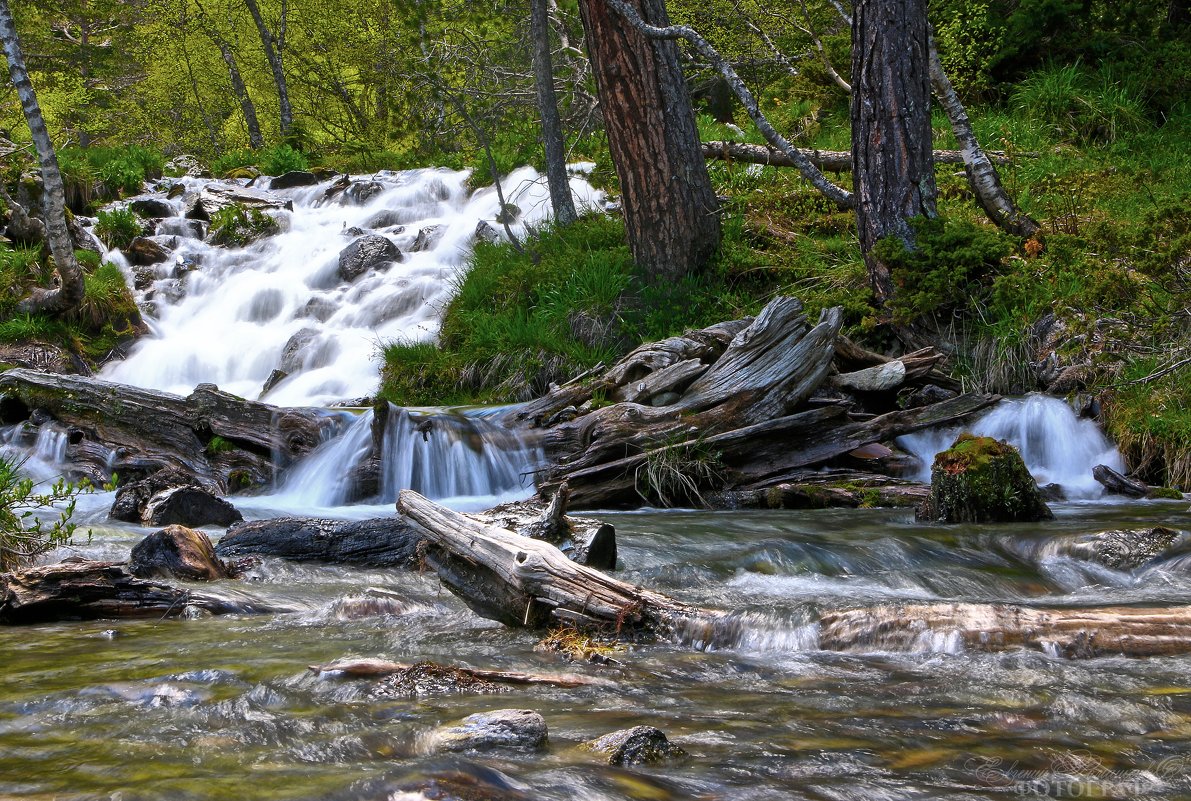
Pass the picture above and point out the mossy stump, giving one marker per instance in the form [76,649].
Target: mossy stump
[982,480]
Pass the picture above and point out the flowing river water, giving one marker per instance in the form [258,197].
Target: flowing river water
[226,707]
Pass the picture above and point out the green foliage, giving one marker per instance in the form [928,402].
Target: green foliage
[219,445]
[1079,105]
[1149,416]
[949,270]
[233,160]
[236,226]
[678,472]
[23,534]
[118,227]
[967,35]
[123,170]
[280,159]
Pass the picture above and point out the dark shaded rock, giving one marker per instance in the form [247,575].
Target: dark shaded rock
[81,237]
[1053,492]
[380,542]
[1071,379]
[353,232]
[294,178]
[982,480]
[1124,549]
[143,252]
[502,728]
[360,192]
[143,278]
[130,501]
[1118,484]
[189,506]
[177,552]
[486,233]
[367,253]
[427,238]
[152,208]
[386,218]
[275,378]
[293,355]
[319,309]
[927,395]
[431,678]
[364,480]
[640,745]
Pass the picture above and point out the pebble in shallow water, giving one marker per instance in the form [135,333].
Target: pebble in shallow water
[640,745]
[499,729]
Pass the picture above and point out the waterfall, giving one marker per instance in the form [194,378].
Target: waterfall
[278,312]
[1057,446]
[442,455]
[40,451]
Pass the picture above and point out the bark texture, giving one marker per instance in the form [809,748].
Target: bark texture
[893,172]
[273,46]
[69,292]
[247,108]
[670,208]
[830,160]
[559,184]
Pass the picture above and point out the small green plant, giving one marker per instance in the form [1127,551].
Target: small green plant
[280,159]
[118,227]
[236,226]
[219,445]
[23,535]
[677,473]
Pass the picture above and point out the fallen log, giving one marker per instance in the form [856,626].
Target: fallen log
[529,583]
[379,542]
[826,160]
[86,590]
[376,668]
[1118,484]
[1073,633]
[141,431]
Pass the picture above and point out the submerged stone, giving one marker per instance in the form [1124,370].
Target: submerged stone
[640,745]
[982,480]
[1124,549]
[501,728]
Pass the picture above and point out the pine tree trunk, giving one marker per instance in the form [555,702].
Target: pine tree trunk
[543,70]
[69,292]
[670,209]
[982,175]
[275,65]
[255,139]
[893,172]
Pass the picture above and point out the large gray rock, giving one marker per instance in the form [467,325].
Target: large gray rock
[152,208]
[217,196]
[881,378]
[640,745]
[177,552]
[367,253]
[293,355]
[503,728]
[142,252]
[189,506]
[131,498]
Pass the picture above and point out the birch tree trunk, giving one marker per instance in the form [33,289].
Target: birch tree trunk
[273,56]
[982,175]
[543,70]
[69,292]
[255,139]
[670,209]
[893,172]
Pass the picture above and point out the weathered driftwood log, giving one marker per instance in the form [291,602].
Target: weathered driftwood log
[529,583]
[819,489]
[1074,633]
[379,542]
[584,540]
[149,430]
[1118,484]
[826,160]
[375,668]
[84,590]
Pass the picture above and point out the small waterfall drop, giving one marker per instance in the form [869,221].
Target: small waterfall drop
[277,319]
[40,451]
[441,455]
[1056,445]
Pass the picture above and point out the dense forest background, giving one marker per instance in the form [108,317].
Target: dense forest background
[1087,100]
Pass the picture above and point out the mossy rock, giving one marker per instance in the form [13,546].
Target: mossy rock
[982,480]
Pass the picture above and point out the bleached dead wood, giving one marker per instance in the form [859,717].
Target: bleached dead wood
[376,668]
[828,160]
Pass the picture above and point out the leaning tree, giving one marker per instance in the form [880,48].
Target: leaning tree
[69,291]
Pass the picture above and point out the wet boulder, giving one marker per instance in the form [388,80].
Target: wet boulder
[152,208]
[428,238]
[640,745]
[131,498]
[982,480]
[521,729]
[366,254]
[177,552]
[297,347]
[1124,549]
[218,196]
[189,506]
[186,165]
[293,179]
[142,252]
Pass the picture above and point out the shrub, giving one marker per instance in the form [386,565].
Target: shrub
[236,226]
[118,227]
[1080,105]
[23,535]
[233,160]
[280,159]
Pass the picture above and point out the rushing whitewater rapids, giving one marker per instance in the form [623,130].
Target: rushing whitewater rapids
[228,321]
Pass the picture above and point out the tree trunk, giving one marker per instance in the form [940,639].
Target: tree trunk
[829,160]
[273,56]
[69,292]
[255,139]
[982,175]
[670,209]
[893,172]
[543,70]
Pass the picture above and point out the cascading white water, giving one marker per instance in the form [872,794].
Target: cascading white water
[280,303]
[441,455]
[40,454]
[1057,446]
